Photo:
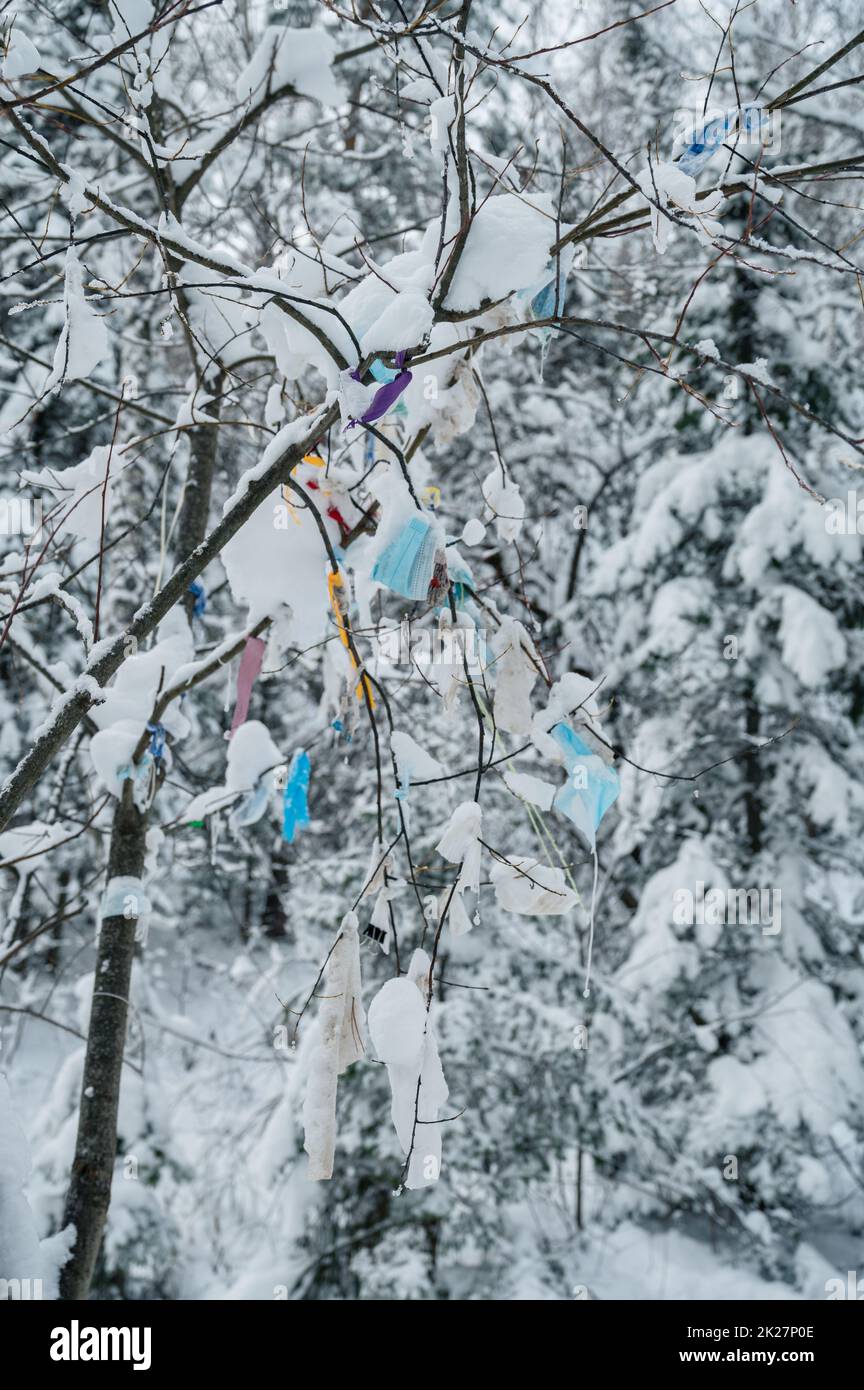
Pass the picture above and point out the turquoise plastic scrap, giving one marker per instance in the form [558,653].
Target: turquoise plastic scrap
[585,805]
[459,575]
[572,745]
[543,304]
[543,307]
[543,300]
[407,564]
[386,374]
[382,373]
[296,798]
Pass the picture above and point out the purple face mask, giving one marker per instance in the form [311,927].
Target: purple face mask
[386,396]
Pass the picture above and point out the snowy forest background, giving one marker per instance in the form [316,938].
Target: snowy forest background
[634,430]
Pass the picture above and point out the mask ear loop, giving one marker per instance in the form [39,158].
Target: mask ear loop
[586,993]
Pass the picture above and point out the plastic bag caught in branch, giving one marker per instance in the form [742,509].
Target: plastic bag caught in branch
[591,786]
[705,142]
[407,566]
[669,187]
[412,760]
[460,843]
[526,886]
[504,503]
[340,1041]
[408,540]
[515,674]
[401,1030]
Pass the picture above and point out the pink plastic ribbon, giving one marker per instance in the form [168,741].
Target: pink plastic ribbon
[250,665]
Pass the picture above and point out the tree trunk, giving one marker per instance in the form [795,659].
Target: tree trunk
[89,1195]
[192,521]
[89,1192]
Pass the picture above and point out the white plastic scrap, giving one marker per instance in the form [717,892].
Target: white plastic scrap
[515,674]
[400,1026]
[340,1041]
[504,503]
[126,896]
[525,885]
[460,844]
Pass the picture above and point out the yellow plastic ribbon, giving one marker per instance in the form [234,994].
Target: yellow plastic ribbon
[432,496]
[336,581]
[315,461]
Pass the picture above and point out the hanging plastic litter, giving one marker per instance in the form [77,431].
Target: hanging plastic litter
[157,741]
[385,375]
[546,303]
[295,811]
[460,576]
[431,497]
[289,497]
[591,786]
[407,564]
[543,304]
[250,664]
[706,144]
[386,396]
[196,588]
[252,807]
[543,300]
[378,929]
[707,141]
[322,487]
[336,587]
[290,500]
[142,775]
[382,373]
[586,796]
